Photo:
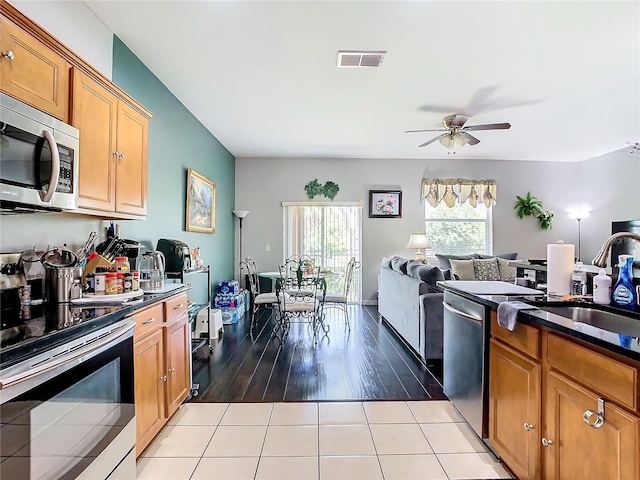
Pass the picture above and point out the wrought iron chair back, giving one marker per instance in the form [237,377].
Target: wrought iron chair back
[348,275]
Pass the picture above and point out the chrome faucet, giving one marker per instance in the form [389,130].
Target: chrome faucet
[600,259]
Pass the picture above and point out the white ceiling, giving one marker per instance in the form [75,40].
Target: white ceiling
[262,76]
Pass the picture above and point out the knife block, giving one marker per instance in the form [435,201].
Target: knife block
[95,262]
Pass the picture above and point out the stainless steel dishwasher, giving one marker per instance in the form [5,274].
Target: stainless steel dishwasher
[465,357]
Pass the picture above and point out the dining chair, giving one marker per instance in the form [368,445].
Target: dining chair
[340,300]
[257,299]
[301,292]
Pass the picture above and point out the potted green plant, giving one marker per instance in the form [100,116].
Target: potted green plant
[527,206]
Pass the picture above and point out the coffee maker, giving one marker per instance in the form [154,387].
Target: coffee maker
[176,253]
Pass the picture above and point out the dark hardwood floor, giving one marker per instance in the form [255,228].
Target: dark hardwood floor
[367,363]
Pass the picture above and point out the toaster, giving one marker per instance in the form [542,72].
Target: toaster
[176,254]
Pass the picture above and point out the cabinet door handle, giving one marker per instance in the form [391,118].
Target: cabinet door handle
[121,155]
[586,416]
[164,378]
[8,54]
[147,322]
[180,305]
[172,370]
[546,442]
[116,154]
[528,427]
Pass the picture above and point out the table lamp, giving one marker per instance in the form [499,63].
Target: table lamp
[419,242]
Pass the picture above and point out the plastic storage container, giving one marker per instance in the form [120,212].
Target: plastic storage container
[602,288]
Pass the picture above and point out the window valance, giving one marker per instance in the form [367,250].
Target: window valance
[452,190]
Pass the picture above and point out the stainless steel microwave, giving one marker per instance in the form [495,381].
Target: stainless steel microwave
[38,159]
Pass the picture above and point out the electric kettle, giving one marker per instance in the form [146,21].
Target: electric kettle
[152,266]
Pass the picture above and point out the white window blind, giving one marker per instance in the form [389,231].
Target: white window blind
[330,233]
[460,229]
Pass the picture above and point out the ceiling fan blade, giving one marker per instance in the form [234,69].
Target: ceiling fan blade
[489,126]
[419,131]
[433,140]
[459,120]
[471,140]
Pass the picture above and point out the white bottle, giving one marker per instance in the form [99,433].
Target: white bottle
[602,288]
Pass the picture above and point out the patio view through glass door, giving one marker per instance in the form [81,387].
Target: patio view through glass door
[330,233]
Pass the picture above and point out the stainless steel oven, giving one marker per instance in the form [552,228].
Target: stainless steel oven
[38,159]
[68,412]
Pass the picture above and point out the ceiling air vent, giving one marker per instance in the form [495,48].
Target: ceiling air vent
[359,59]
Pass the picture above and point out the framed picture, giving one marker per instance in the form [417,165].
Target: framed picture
[385,203]
[201,203]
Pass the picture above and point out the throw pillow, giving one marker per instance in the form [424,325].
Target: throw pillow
[386,262]
[399,264]
[486,269]
[447,274]
[507,272]
[413,269]
[430,274]
[463,269]
[445,259]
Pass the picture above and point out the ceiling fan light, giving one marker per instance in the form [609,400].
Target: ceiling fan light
[447,141]
[460,140]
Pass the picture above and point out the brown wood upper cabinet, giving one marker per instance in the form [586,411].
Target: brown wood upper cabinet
[32,72]
[113,150]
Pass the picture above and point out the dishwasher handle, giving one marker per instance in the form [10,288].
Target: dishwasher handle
[462,314]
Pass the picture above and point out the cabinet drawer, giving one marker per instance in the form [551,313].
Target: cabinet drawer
[148,320]
[523,338]
[175,306]
[611,379]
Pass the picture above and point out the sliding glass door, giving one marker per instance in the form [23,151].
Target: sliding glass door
[330,233]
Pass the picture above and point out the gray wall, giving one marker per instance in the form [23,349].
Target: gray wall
[262,184]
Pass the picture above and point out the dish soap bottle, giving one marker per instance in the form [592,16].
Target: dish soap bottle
[624,293]
[602,288]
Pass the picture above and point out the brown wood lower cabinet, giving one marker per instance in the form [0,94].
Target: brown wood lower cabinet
[577,450]
[514,410]
[149,388]
[539,399]
[162,370]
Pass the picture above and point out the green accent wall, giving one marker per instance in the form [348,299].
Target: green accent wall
[177,142]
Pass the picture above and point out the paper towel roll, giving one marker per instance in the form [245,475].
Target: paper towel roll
[560,258]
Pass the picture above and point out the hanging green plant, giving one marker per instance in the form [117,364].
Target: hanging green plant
[329,189]
[313,188]
[527,205]
[530,206]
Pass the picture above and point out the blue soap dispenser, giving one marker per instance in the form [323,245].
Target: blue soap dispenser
[624,293]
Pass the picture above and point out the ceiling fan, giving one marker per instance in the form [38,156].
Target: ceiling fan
[456,134]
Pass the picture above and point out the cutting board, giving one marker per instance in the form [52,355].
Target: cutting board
[488,287]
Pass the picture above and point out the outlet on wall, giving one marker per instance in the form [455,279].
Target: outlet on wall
[267,248]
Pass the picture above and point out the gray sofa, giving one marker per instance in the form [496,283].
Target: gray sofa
[410,301]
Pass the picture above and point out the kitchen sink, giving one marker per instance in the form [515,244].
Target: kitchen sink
[596,317]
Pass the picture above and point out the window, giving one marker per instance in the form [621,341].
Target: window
[330,234]
[459,230]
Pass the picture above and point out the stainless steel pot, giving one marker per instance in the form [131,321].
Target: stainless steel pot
[58,283]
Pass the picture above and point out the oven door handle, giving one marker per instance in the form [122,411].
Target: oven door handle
[100,343]
[462,314]
[55,167]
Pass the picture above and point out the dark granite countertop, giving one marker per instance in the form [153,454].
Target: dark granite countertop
[624,340]
[27,331]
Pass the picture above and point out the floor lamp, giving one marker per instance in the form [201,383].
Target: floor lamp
[578,216]
[240,214]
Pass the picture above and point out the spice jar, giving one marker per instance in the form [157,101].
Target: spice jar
[122,264]
[111,283]
[128,282]
[90,282]
[135,284]
[120,279]
[100,281]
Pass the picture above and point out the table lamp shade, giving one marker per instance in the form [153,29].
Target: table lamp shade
[418,241]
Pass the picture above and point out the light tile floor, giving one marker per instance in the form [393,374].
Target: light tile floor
[318,441]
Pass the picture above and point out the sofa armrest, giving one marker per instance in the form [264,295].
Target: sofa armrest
[431,314]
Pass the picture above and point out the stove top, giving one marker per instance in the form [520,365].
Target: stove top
[29,328]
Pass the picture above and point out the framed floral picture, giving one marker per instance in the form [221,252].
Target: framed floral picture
[385,203]
[201,203]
